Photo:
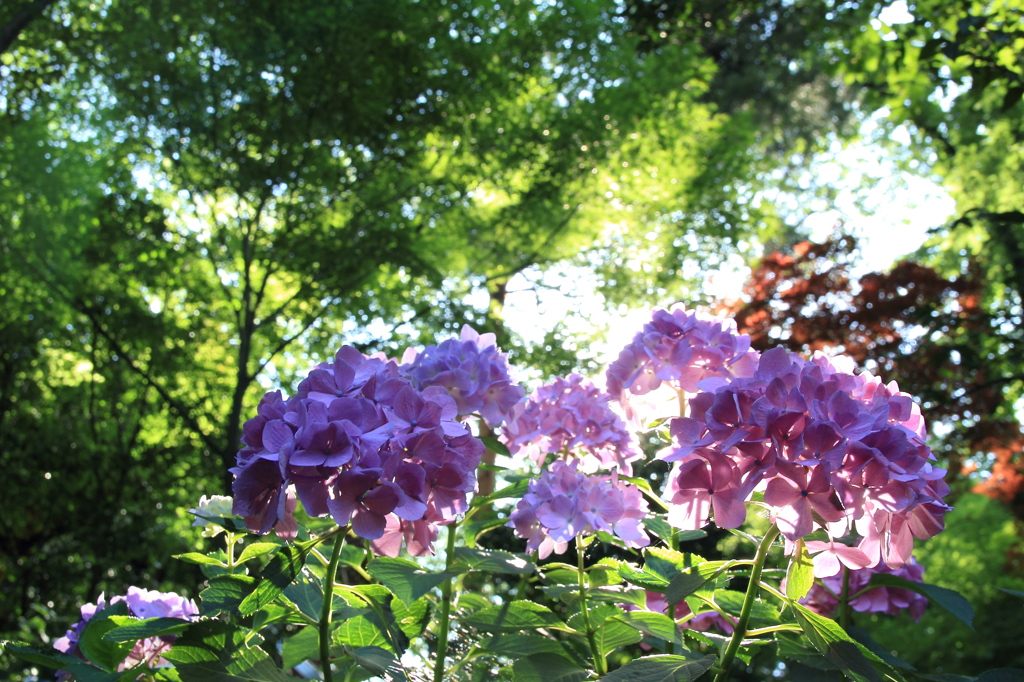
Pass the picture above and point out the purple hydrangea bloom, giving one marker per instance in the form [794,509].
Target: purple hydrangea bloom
[565,503]
[364,443]
[142,604]
[571,416]
[828,448]
[681,348]
[888,600]
[471,370]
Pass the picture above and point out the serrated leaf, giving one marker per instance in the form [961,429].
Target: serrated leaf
[308,597]
[214,651]
[257,549]
[547,667]
[495,446]
[302,646]
[106,654]
[513,491]
[951,600]
[491,561]
[50,658]
[614,633]
[1015,593]
[405,579]
[226,592]
[280,572]
[732,602]
[689,580]
[201,559]
[661,668]
[360,630]
[855,660]
[654,624]
[516,645]
[377,661]
[513,616]
[128,629]
[412,619]
[800,574]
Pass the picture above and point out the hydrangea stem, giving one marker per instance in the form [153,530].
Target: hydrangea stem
[599,663]
[325,611]
[844,601]
[740,630]
[446,607]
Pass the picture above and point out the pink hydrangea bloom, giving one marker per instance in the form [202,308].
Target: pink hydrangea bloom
[571,416]
[564,503]
[141,604]
[889,600]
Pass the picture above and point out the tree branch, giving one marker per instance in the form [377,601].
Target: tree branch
[24,16]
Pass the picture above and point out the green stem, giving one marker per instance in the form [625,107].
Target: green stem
[748,603]
[785,627]
[599,663]
[325,611]
[844,601]
[446,607]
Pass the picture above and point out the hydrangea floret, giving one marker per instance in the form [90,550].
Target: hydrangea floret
[141,604]
[824,595]
[374,444]
[209,508]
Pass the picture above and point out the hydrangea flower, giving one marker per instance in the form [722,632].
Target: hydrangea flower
[889,600]
[142,604]
[681,348]
[828,448]
[472,371]
[213,507]
[571,415]
[564,503]
[373,444]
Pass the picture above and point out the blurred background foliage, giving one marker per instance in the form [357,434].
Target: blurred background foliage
[199,200]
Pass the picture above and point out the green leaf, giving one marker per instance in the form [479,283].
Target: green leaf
[654,624]
[104,653]
[214,651]
[128,629]
[377,661]
[406,579]
[800,574]
[732,601]
[689,580]
[547,667]
[661,668]
[359,628]
[952,601]
[51,658]
[307,596]
[226,592]
[302,646]
[282,570]
[516,645]
[515,491]
[491,561]
[853,658]
[412,619]
[515,615]
[614,633]
[877,649]
[1015,593]
[257,549]
[496,446]
[202,559]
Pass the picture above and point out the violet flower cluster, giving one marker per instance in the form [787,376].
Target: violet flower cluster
[564,503]
[823,598]
[827,448]
[373,444]
[570,415]
[681,348]
[142,604]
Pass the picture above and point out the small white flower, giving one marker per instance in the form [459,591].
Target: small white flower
[213,507]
